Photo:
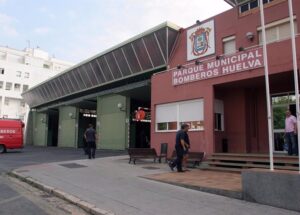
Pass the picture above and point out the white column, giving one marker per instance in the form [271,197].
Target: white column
[295,67]
[265,54]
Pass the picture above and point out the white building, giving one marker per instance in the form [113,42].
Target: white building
[20,70]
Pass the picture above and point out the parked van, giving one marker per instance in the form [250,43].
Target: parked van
[11,134]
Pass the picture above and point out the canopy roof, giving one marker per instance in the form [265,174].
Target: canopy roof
[144,53]
[235,3]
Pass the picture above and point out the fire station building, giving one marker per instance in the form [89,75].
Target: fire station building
[216,82]
[209,75]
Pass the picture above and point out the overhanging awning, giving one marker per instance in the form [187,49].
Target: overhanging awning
[235,3]
[144,53]
[122,90]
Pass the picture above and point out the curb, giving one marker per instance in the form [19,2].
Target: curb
[88,207]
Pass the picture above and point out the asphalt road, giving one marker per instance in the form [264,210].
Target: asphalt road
[16,198]
[37,155]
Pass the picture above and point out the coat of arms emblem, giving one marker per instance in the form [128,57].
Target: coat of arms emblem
[200,41]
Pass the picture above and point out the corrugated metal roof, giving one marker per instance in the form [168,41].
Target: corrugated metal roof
[143,53]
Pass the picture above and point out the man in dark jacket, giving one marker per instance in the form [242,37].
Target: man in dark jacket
[90,137]
[180,147]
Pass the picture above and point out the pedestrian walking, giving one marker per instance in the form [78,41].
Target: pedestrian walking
[290,133]
[90,137]
[180,147]
[186,151]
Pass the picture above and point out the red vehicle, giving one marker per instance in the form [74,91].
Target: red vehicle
[11,134]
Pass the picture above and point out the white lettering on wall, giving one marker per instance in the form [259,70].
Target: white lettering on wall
[238,62]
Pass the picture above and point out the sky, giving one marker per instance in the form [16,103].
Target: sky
[75,30]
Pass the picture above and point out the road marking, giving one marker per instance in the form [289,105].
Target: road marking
[10,199]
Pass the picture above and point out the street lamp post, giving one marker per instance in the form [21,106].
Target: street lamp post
[266,68]
[295,67]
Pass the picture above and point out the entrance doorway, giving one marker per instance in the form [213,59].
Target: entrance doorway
[139,128]
[244,126]
[140,135]
[86,117]
[52,138]
[280,103]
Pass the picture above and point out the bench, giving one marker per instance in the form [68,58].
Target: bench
[141,153]
[163,152]
[194,157]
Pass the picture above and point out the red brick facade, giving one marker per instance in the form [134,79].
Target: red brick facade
[243,93]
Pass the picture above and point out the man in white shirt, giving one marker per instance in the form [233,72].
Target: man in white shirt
[290,133]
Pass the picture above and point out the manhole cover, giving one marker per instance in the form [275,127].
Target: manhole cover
[150,167]
[72,165]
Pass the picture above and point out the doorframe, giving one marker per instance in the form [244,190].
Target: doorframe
[288,93]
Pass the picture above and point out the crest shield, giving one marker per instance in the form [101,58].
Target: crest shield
[200,41]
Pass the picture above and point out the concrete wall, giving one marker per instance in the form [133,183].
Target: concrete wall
[112,127]
[67,127]
[275,188]
[40,129]
[200,140]
[29,130]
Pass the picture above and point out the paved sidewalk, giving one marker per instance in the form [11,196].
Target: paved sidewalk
[114,185]
[222,183]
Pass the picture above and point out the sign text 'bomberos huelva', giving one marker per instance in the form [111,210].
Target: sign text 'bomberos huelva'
[225,65]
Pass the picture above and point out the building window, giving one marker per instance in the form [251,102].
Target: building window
[19,73]
[219,115]
[169,117]
[25,87]
[192,113]
[17,87]
[6,101]
[26,75]
[166,117]
[46,66]
[1,71]
[251,5]
[229,45]
[1,84]
[244,7]
[8,86]
[277,31]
